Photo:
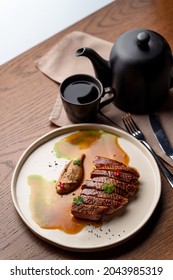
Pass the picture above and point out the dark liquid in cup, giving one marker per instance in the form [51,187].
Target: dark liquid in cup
[81,92]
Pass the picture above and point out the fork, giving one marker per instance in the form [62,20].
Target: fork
[134,130]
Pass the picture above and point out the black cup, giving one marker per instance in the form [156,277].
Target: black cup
[81,96]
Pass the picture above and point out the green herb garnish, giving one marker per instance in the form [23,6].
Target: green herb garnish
[78,200]
[77,162]
[109,188]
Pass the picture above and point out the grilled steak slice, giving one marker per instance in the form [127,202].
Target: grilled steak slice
[99,184]
[110,164]
[122,188]
[89,212]
[113,205]
[109,188]
[102,194]
[99,160]
[123,176]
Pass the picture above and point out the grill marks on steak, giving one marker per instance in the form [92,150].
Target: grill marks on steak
[101,194]
[112,205]
[125,189]
[110,164]
[125,177]
[97,199]
[91,212]
[98,185]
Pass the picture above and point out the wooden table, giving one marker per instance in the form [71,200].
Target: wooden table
[26,100]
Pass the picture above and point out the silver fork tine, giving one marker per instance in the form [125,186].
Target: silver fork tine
[129,123]
[125,124]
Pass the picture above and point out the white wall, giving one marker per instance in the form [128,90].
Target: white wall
[25,23]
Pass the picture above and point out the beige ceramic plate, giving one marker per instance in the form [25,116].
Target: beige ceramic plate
[114,231]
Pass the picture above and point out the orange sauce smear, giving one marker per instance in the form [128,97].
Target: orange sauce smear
[53,211]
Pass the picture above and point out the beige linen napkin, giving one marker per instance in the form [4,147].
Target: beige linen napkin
[61,62]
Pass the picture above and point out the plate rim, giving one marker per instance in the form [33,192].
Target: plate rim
[67,129]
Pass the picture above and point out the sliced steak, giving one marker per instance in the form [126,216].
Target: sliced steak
[89,212]
[122,188]
[110,186]
[110,164]
[113,205]
[99,185]
[99,160]
[102,194]
[123,176]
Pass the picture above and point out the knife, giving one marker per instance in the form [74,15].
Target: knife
[160,135]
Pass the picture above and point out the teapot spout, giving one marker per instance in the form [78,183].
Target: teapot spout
[101,66]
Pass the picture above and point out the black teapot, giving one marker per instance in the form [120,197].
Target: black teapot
[139,69]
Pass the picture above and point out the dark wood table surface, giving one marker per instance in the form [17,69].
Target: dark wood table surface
[26,100]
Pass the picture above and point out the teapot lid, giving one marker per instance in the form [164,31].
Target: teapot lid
[143,39]
[139,45]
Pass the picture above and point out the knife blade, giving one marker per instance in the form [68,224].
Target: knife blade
[160,135]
